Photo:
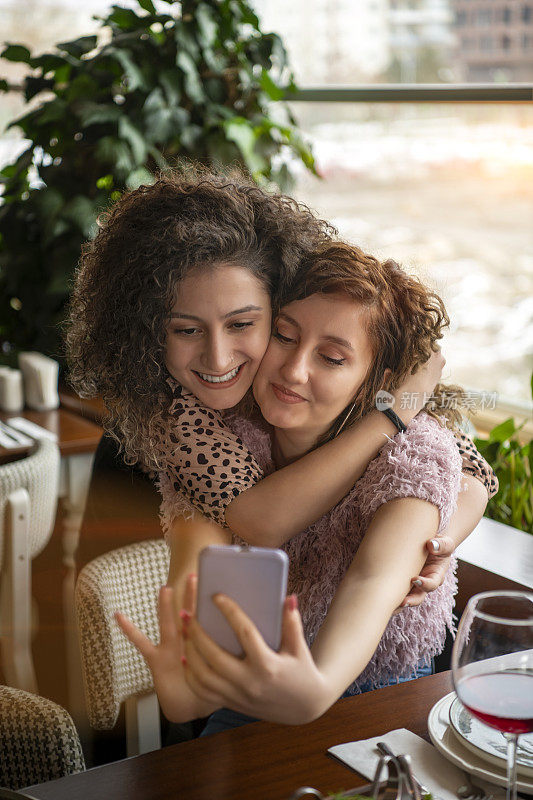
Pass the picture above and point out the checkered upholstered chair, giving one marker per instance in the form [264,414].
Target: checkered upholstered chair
[128,580]
[38,740]
[28,502]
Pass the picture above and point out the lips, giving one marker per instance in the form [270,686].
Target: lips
[219,381]
[286,395]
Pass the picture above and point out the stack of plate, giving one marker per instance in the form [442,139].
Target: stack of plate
[475,747]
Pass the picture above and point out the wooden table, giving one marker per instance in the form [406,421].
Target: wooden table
[261,761]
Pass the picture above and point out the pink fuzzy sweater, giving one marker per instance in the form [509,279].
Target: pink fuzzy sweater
[424,462]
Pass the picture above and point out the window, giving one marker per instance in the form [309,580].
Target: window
[445,190]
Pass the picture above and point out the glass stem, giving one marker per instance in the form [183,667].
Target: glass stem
[512,739]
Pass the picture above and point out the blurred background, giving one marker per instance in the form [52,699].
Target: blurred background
[444,188]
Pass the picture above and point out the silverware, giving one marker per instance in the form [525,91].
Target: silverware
[471,791]
[413,785]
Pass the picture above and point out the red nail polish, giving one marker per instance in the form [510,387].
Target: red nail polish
[293,602]
[184,661]
[185,616]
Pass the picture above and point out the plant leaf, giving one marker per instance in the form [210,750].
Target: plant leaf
[134,137]
[97,113]
[79,47]
[147,5]
[503,431]
[240,132]
[193,84]
[16,52]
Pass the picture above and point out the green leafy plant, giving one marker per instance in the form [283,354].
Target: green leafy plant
[200,82]
[512,463]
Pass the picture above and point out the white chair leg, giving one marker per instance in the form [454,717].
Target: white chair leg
[143,727]
[17,657]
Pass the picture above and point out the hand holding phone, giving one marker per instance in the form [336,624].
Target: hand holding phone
[256,578]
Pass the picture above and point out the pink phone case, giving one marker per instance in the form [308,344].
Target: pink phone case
[256,578]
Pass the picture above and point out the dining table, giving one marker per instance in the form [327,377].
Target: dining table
[261,760]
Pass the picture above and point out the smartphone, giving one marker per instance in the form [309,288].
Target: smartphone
[256,578]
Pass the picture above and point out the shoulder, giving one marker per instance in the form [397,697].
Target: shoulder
[257,438]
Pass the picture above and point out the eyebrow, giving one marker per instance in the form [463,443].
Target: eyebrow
[244,310]
[334,339]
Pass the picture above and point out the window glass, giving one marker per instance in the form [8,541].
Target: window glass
[403,41]
[446,191]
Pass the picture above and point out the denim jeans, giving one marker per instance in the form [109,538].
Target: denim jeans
[224,718]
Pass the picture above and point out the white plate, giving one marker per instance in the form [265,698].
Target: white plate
[447,743]
[488,743]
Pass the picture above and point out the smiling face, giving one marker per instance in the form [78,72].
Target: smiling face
[317,359]
[217,333]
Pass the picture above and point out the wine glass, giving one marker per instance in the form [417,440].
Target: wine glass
[492,666]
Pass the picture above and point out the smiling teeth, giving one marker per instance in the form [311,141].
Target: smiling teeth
[219,378]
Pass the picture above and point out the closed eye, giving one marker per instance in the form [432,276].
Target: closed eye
[336,362]
[186,331]
[281,338]
[240,326]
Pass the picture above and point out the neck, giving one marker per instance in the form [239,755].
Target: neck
[290,445]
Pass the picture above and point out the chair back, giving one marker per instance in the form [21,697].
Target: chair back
[127,579]
[38,740]
[38,473]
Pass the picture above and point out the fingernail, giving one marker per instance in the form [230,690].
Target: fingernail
[293,602]
[185,616]
[184,661]
[435,545]
[417,582]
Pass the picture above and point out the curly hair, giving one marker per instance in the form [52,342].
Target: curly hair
[127,279]
[404,322]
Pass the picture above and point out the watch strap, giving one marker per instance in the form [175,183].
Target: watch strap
[395,419]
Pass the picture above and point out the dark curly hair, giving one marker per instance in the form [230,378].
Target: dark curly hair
[404,318]
[128,276]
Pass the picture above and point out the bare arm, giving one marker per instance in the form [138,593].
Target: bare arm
[223,480]
[471,504]
[292,498]
[295,685]
[377,580]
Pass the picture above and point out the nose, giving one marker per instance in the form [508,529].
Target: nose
[218,355]
[295,368]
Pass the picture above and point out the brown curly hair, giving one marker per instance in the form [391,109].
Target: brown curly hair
[126,283]
[405,321]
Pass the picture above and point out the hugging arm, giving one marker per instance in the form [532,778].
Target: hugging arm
[404,495]
[296,685]
[210,465]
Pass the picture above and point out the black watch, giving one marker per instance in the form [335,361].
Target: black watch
[395,419]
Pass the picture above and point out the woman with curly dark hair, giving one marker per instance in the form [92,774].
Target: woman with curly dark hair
[172,307]
[353,326]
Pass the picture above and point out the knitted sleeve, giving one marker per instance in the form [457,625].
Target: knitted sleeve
[423,462]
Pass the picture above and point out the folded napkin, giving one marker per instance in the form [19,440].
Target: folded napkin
[439,775]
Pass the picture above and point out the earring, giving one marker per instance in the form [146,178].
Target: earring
[345,420]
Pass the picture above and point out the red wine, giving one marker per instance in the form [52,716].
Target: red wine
[503,700]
